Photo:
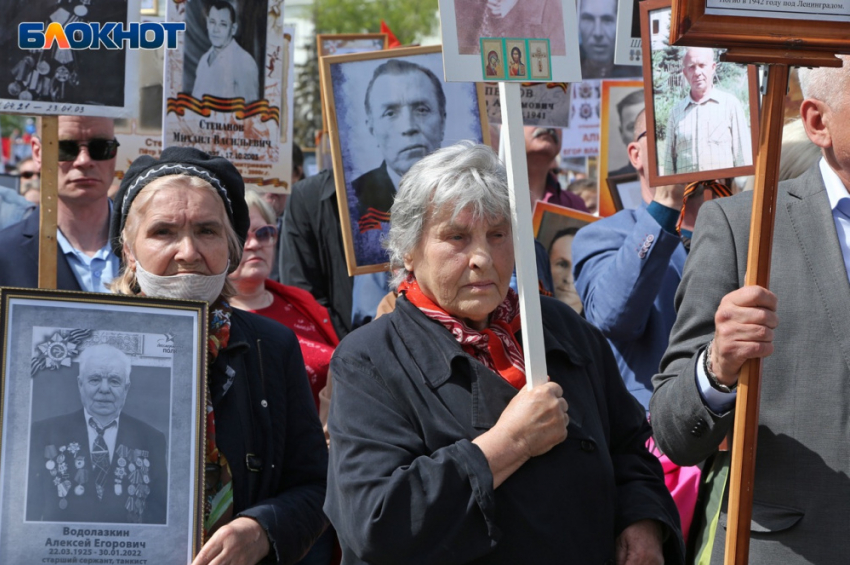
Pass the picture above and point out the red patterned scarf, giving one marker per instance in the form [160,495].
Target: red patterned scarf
[495,346]
[218,487]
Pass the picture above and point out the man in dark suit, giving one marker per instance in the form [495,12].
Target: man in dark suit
[406,114]
[801,328]
[97,464]
[85,260]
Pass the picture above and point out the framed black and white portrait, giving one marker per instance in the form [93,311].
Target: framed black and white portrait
[387,110]
[597,31]
[103,406]
[64,81]
[627,49]
[701,113]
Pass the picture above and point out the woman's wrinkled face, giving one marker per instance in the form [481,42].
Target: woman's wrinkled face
[560,259]
[464,266]
[258,253]
[181,231]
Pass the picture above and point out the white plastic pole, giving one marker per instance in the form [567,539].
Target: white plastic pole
[523,234]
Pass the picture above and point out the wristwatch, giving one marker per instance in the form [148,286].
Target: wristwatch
[712,378]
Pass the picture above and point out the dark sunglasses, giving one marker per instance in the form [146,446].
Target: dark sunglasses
[30,174]
[99,149]
[265,234]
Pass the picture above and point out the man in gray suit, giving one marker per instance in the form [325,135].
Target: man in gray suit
[800,510]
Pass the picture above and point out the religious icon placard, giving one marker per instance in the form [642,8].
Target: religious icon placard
[102,413]
[538,40]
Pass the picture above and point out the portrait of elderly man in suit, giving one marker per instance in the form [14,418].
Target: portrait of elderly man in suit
[406,117]
[98,464]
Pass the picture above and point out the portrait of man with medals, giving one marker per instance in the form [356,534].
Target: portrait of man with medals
[96,464]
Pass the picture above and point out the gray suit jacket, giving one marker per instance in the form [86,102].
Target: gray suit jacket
[802,490]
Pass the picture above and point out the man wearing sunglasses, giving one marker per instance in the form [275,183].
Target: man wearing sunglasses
[87,149]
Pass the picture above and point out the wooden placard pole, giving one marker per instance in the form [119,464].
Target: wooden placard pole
[745,429]
[523,235]
[49,136]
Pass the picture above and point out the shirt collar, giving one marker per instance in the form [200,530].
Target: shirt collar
[69,249]
[835,189]
[89,417]
[714,95]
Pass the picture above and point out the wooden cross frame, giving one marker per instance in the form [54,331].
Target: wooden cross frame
[757,35]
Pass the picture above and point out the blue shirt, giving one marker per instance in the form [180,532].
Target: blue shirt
[93,273]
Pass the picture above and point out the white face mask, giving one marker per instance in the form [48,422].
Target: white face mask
[187,287]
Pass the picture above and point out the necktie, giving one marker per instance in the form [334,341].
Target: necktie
[100,455]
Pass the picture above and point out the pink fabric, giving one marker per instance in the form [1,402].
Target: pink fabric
[683,484]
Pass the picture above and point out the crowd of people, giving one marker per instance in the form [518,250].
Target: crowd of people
[398,428]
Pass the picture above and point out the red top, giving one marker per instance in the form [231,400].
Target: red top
[298,310]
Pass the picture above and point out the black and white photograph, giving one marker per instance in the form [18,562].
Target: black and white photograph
[555,228]
[225,86]
[465,22]
[597,31]
[102,402]
[703,112]
[622,102]
[225,49]
[116,473]
[627,49]
[65,81]
[387,110]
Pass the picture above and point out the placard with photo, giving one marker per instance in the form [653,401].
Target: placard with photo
[65,81]
[226,86]
[701,114]
[372,148]
[465,23]
[101,451]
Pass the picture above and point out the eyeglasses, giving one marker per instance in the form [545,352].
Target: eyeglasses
[99,149]
[264,235]
[29,174]
[640,136]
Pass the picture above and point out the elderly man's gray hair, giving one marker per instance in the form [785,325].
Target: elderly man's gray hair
[826,84]
[465,176]
[104,351]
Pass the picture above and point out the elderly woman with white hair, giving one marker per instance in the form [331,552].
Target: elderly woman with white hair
[439,452]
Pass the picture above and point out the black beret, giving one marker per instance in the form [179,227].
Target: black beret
[217,171]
